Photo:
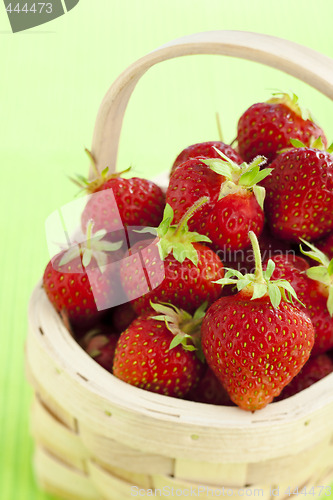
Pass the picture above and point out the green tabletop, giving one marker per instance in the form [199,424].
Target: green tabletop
[53,79]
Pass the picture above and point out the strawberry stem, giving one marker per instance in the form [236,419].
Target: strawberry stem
[90,226]
[93,161]
[183,221]
[219,128]
[259,277]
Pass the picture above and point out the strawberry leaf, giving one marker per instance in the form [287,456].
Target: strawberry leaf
[196,237]
[228,187]
[201,311]
[164,226]
[219,167]
[274,294]
[285,285]
[314,253]
[190,253]
[330,268]
[259,193]
[247,178]
[252,174]
[319,273]
[179,250]
[269,269]
[108,246]
[164,246]
[318,143]
[147,229]
[86,257]
[70,255]
[330,301]
[181,339]
[259,290]
[297,143]
[242,283]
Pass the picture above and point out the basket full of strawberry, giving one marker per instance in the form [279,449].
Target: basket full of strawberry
[182,338]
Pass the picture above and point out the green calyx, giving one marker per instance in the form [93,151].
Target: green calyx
[238,177]
[291,101]
[93,248]
[90,186]
[315,144]
[260,283]
[322,273]
[185,328]
[177,239]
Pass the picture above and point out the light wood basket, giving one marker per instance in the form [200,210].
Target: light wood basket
[99,438]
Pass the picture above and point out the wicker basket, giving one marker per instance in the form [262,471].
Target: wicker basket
[99,438]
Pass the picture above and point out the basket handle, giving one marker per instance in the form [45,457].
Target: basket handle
[301,62]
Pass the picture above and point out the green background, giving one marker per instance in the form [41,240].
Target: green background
[53,79]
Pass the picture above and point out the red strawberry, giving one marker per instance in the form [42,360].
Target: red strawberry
[253,341]
[311,293]
[122,316]
[115,203]
[156,352]
[210,391]
[316,368]
[206,150]
[299,194]
[234,200]
[267,127]
[320,298]
[173,268]
[81,281]
[100,343]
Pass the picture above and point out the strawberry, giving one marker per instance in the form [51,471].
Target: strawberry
[115,202]
[100,343]
[299,193]
[312,287]
[316,368]
[81,281]
[320,299]
[122,316]
[174,268]
[267,127]
[256,341]
[158,352]
[206,150]
[235,202]
[210,391]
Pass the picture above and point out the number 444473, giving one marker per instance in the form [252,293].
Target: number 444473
[314,491]
[35,8]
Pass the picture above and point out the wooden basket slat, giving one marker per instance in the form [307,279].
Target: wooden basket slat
[143,480]
[60,479]
[60,413]
[203,490]
[112,452]
[54,435]
[299,467]
[110,487]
